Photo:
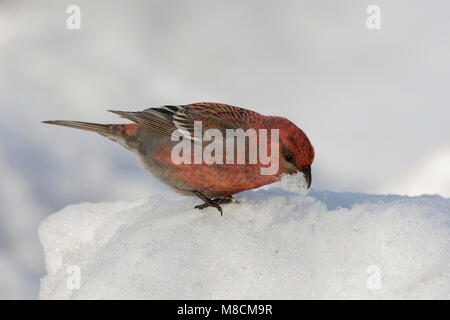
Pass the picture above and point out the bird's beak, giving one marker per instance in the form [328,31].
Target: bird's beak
[307,172]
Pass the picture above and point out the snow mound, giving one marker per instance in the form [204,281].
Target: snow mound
[272,245]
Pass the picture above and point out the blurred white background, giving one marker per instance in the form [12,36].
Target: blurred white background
[375,103]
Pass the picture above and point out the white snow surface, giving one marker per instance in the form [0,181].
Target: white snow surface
[274,244]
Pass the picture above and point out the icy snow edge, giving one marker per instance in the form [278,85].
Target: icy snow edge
[273,245]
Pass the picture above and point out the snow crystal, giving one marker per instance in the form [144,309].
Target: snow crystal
[295,183]
[272,245]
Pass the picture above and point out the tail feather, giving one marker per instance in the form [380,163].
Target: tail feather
[94,127]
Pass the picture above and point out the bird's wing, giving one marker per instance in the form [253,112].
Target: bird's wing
[158,119]
[166,119]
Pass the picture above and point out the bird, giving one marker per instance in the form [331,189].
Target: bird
[150,137]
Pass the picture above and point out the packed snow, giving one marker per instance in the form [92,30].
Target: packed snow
[294,183]
[274,244]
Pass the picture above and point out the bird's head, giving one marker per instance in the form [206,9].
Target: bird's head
[296,151]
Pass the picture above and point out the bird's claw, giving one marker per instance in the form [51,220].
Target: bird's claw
[206,205]
[216,202]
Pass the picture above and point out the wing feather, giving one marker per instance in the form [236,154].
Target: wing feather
[168,118]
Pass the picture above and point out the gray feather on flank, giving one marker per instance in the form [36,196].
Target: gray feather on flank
[94,127]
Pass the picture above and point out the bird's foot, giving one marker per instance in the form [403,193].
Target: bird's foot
[216,202]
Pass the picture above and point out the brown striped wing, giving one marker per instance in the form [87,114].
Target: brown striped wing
[166,119]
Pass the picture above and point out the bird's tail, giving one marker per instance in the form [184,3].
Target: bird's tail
[94,127]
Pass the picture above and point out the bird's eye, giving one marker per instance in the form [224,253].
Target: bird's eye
[289,158]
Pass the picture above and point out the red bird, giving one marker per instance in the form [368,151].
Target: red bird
[150,138]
